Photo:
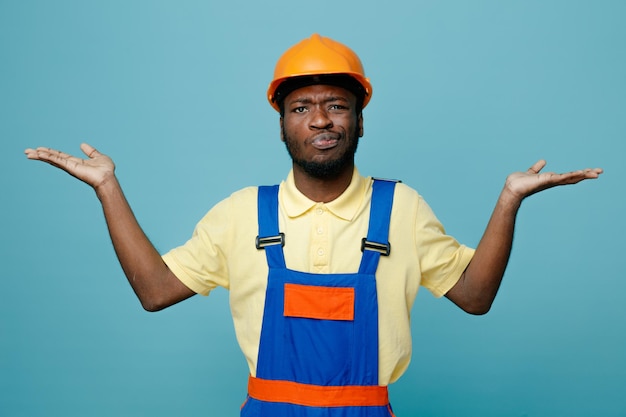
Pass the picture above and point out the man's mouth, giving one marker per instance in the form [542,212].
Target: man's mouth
[325,141]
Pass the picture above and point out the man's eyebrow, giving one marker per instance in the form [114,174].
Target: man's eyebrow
[300,100]
[336,98]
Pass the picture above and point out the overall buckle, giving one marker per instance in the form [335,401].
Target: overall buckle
[262,242]
[383,248]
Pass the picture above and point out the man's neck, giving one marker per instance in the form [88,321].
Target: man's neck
[322,190]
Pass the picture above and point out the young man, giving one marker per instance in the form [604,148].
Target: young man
[324,268]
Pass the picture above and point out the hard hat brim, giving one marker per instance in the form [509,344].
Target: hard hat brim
[275,86]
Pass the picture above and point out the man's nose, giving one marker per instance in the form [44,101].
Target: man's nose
[320,119]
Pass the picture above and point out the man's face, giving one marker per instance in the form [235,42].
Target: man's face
[321,129]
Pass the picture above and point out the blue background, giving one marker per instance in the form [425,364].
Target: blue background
[465,92]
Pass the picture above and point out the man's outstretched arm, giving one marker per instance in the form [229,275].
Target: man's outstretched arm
[477,287]
[153,282]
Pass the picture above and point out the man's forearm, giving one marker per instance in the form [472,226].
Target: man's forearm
[479,283]
[153,282]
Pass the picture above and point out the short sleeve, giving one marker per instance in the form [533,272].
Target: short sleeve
[442,258]
[200,263]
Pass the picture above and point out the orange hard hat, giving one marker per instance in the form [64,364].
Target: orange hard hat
[318,55]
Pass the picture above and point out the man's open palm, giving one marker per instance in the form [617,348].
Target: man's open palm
[95,170]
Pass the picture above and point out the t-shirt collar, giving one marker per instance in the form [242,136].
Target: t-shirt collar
[345,206]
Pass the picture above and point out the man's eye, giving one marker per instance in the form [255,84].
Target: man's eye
[301,109]
[337,107]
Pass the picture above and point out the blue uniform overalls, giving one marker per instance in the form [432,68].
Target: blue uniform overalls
[318,352]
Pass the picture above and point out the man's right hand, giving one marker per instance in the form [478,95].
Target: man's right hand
[96,170]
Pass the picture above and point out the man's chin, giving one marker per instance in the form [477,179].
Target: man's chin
[323,170]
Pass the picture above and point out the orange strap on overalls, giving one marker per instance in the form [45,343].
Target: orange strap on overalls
[317,395]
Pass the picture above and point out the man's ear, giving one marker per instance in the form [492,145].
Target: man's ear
[282,124]
[360,124]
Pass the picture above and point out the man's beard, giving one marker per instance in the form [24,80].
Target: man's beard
[328,169]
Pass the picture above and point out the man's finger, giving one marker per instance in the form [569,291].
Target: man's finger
[89,150]
[537,166]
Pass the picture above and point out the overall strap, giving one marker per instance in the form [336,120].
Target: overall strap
[269,237]
[377,241]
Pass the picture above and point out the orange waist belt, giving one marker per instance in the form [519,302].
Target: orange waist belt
[317,395]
